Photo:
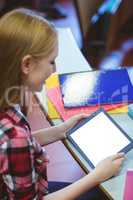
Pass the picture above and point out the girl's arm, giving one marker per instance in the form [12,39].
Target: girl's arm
[50,135]
[55,133]
[74,190]
[105,169]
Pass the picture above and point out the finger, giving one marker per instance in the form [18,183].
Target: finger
[80,116]
[119,161]
[122,159]
[118,155]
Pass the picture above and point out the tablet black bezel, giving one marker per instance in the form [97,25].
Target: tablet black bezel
[84,121]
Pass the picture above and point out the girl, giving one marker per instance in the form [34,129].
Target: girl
[28,48]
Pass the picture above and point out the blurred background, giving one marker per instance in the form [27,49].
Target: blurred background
[103,29]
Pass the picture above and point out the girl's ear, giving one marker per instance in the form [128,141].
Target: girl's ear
[27,64]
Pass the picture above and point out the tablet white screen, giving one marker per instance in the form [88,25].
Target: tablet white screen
[99,138]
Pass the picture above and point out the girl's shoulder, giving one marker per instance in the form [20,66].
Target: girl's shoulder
[13,126]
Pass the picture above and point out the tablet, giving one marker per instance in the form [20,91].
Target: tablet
[98,137]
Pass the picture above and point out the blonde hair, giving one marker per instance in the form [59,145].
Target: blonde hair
[22,32]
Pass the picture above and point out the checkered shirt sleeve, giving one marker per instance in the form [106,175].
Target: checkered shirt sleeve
[22,164]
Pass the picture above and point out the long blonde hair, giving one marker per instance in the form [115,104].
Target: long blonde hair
[22,32]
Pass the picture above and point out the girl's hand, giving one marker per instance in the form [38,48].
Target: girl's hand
[108,167]
[68,124]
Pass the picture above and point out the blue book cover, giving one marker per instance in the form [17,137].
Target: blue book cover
[96,87]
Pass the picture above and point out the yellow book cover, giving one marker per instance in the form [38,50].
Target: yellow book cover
[52,113]
[123,109]
[52,81]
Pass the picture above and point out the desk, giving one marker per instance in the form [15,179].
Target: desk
[113,187]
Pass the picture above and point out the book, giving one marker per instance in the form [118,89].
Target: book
[54,94]
[97,87]
[56,108]
[128,189]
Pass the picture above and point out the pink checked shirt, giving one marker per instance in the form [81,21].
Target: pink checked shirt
[22,160]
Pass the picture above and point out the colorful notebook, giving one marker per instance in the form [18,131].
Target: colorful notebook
[56,108]
[96,88]
[52,112]
[54,94]
[128,190]
[52,81]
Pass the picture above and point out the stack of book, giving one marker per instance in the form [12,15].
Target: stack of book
[85,92]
